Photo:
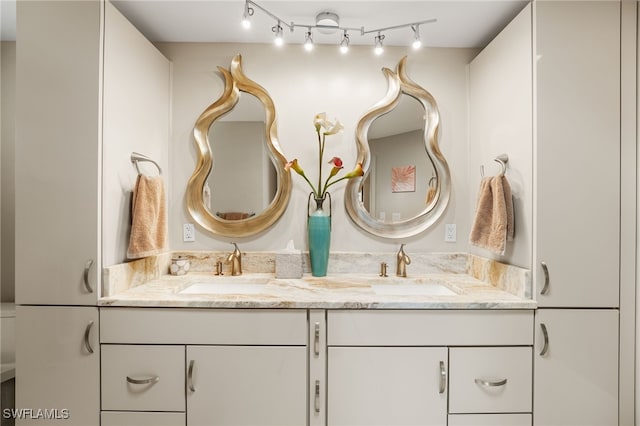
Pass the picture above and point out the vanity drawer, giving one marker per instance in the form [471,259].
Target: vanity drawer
[489,420]
[143,378]
[168,326]
[490,380]
[429,327]
[132,418]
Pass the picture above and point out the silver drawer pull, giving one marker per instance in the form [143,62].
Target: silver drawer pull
[148,381]
[545,335]
[316,341]
[87,332]
[190,376]
[316,402]
[443,378]
[491,384]
[545,269]
[85,276]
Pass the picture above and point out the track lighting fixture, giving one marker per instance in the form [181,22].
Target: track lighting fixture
[329,23]
[344,43]
[248,13]
[279,40]
[417,43]
[378,49]
[308,41]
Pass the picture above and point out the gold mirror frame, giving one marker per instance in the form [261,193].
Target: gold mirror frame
[398,84]
[235,82]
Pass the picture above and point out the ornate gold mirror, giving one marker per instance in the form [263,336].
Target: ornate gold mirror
[240,186]
[406,185]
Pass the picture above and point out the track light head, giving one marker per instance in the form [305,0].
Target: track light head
[378,49]
[248,13]
[417,43]
[308,41]
[279,40]
[344,43]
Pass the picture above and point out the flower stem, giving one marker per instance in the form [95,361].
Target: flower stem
[320,155]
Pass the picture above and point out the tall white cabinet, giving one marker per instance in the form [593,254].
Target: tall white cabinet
[577,153]
[577,145]
[61,81]
[575,132]
[58,68]
[58,78]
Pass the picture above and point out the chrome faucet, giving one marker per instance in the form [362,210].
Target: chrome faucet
[235,257]
[402,260]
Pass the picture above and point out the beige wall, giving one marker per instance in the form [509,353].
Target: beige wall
[303,84]
[136,113]
[501,121]
[404,149]
[7,180]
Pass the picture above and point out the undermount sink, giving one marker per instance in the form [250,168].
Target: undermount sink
[228,285]
[412,290]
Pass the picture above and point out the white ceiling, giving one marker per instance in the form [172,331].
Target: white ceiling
[470,23]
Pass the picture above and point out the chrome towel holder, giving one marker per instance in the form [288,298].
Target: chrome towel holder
[136,157]
[501,159]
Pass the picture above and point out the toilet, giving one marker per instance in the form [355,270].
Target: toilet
[7,340]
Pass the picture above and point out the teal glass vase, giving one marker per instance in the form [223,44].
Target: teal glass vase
[319,234]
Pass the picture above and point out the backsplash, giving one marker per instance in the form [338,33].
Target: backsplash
[515,280]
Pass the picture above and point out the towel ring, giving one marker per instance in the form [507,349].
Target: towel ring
[136,157]
[501,159]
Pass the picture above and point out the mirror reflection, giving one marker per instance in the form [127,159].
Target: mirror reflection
[243,181]
[402,173]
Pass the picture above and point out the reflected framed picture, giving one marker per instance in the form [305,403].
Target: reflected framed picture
[403,179]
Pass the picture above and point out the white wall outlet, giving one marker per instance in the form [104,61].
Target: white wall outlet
[188,232]
[450,232]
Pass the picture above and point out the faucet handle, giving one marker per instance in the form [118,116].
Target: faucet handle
[383,269]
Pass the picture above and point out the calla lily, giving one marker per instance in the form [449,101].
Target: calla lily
[325,128]
[337,166]
[336,161]
[330,128]
[293,164]
[358,171]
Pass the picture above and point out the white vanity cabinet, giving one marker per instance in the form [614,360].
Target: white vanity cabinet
[206,366]
[58,364]
[370,386]
[247,385]
[576,367]
[407,367]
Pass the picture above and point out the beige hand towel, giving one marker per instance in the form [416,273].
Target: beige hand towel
[149,218]
[494,221]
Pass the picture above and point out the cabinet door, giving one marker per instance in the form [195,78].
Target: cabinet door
[576,367]
[246,385]
[58,363]
[58,152]
[577,161]
[386,386]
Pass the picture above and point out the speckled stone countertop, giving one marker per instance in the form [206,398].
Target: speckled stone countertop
[475,283]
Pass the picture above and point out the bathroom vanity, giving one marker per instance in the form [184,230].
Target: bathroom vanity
[347,349]
[335,367]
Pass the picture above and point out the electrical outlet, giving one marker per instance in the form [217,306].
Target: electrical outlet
[188,232]
[450,232]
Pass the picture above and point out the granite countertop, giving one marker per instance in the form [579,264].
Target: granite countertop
[336,291]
